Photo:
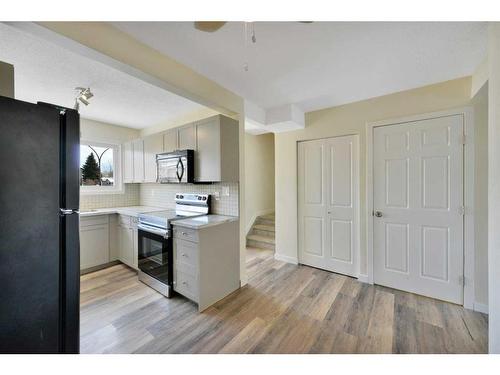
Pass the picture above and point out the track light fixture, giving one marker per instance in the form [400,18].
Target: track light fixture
[83,96]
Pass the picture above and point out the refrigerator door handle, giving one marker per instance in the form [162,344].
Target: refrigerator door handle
[64,211]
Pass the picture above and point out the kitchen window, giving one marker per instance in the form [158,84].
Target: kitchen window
[100,168]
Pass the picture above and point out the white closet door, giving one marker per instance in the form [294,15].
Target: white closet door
[328,204]
[418,196]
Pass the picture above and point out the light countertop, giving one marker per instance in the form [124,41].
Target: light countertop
[204,221]
[129,211]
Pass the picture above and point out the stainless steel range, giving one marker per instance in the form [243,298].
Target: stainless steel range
[155,248]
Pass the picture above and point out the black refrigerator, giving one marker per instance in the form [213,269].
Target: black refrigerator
[39,235]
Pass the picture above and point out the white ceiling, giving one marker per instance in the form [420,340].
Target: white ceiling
[320,64]
[47,72]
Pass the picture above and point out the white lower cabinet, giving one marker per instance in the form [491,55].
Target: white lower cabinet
[127,240]
[206,262]
[94,241]
[126,245]
[107,238]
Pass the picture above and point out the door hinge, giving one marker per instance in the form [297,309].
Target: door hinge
[464,139]
[461,210]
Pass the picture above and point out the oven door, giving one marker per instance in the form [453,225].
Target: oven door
[155,256]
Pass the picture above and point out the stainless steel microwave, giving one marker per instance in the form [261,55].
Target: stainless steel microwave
[175,167]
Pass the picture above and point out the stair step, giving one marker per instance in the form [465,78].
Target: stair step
[263,233]
[260,245]
[262,221]
[259,238]
[268,217]
[265,227]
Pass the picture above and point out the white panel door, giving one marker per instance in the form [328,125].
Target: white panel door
[328,204]
[418,198]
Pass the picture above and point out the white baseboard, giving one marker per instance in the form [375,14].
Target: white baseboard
[255,216]
[286,258]
[364,279]
[481,307]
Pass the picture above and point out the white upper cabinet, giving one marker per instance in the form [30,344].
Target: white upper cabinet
[217,151]
[187,137]
[152,145]
[128,162]
[215,142]
[170,140]
[207,156]
[138,160]
[182,138]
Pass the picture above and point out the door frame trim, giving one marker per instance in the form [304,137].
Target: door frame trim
[467,114]
[356,195]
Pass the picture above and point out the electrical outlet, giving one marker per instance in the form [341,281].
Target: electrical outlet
[217,195]
[225,191]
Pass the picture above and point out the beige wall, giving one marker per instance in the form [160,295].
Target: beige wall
[186,119]
[91,130]
[480,104]
[351,119]
[259,176]
[494,186]
[6,79]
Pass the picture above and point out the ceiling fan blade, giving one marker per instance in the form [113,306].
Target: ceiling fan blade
[209,26]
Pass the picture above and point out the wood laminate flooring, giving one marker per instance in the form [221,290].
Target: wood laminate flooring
[284,309]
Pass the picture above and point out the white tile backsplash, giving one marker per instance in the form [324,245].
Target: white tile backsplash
[130,197]
[163,195]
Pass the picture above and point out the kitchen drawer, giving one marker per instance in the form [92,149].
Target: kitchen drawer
[187,269]
[186,284]
[124,220]
[186,252]
[93,220]
[186,234]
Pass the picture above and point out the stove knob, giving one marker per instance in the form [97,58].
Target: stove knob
[181,196]
[199,198]
[204,198]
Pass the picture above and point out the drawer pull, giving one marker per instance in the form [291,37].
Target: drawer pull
[184,255]
[184,283]
[184,233]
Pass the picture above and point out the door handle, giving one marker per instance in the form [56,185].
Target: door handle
[179,167]
[378,214]
[64,211]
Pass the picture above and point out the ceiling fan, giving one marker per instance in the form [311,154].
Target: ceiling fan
[213,26]
[209,26]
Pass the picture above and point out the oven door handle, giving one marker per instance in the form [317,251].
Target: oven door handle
[149,229]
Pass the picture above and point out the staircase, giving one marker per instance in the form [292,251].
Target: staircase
[262,233]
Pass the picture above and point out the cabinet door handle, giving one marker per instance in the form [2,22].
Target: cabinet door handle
[184,283]
[184,255]
[184,233]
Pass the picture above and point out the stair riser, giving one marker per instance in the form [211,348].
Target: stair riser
[263,233]
[264,221]
[260,245]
